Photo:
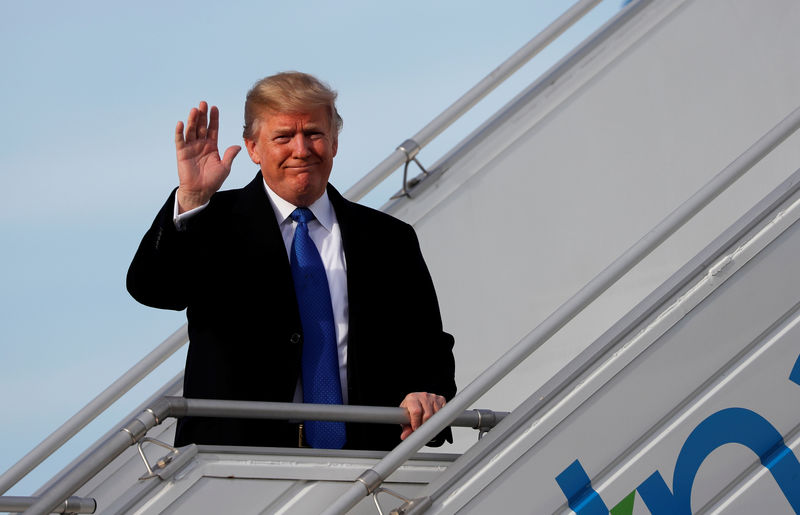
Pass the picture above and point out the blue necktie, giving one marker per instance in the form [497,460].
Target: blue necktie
[321,384]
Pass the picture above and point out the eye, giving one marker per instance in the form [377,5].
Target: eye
[281,139]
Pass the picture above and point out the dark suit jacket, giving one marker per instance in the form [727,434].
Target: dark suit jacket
[230,270]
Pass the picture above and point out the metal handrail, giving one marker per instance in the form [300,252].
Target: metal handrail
[94,408]
[183,407]
[16,504]
[171,387]
[409,148]
[178,407]
[560,69]
[372,478]
[115,445]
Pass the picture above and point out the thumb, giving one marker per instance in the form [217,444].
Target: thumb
[230,153]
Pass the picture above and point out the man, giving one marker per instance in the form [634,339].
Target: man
[232,260]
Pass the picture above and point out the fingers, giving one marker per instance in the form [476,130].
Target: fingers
[202,120]
[213,124]
[420,407]
[191,125]
[198,125]
[179,141]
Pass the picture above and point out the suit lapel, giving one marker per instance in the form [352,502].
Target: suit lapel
[264,245]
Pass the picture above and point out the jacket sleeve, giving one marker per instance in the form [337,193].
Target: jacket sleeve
[157,276]
[436,373]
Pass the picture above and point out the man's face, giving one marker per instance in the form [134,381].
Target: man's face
[295,152]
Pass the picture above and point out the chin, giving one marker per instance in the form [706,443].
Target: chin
[307,196]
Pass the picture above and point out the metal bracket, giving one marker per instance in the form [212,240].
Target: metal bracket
[413,506]
[410,148]
[390,492]
[486,421]
[370,479]
[161,463]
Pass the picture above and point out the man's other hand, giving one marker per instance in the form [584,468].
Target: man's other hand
[201,172]
[420,407]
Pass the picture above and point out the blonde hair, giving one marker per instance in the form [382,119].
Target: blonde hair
[288,92]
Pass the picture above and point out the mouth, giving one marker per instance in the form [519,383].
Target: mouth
[301,166]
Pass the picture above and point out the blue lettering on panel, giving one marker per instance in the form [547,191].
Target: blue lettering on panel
[795,375]
[577,488]
[732,425]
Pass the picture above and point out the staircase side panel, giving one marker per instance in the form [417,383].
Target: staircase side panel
[723,357]
[574,177]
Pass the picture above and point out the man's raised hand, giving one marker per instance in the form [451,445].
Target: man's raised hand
[201,172]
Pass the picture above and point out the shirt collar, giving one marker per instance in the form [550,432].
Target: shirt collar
[322,208]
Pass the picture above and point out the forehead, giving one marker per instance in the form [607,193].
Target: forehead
[280,120]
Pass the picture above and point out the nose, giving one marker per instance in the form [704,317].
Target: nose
[301,145]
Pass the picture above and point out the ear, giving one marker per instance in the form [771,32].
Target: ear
[335,145]
[250,145]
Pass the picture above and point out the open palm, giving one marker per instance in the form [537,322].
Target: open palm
[201,172]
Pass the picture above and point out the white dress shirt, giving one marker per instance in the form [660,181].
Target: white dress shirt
[326,235]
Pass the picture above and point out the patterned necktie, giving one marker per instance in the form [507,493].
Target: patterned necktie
[321,384]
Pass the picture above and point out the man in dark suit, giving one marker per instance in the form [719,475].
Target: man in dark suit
[227,258]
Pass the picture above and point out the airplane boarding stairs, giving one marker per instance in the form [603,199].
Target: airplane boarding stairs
[688,404]
[702,362]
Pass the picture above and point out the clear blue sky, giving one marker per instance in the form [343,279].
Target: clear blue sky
[90,94]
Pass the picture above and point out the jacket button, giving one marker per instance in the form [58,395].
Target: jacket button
[295,338]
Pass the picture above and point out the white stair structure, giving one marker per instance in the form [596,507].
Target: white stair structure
[709,358]
[675,391]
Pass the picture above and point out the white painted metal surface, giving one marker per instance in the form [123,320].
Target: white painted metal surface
[534,206]
[717,356]
[253,480]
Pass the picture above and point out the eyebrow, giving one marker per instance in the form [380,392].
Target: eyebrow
[279,131]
